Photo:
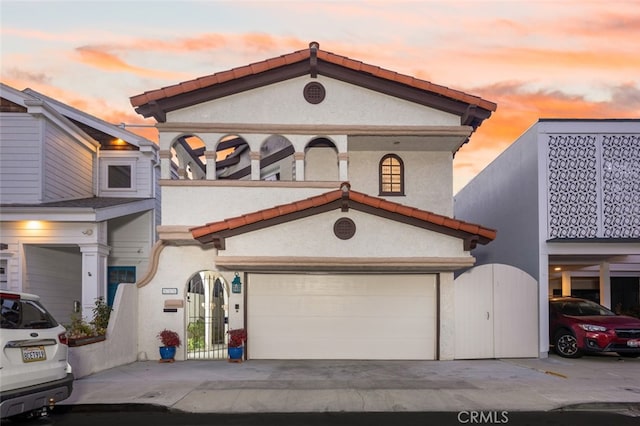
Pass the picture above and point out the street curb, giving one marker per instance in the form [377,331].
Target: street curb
[627,408]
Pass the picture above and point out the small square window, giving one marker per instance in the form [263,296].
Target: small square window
[119,176]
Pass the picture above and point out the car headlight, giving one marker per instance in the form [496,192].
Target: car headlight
[590,327]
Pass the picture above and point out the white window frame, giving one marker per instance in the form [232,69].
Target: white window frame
[104,174]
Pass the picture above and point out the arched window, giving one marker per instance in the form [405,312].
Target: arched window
[391,175]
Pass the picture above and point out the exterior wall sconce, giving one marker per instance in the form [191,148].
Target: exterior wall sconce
[236,284]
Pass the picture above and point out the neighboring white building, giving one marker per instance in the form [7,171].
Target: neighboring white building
[565,201]
[324,186]
[79,202]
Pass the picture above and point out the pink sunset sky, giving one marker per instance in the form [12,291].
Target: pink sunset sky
[535,59]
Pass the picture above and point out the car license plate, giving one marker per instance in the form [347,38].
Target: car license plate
[633,343]
[34,354]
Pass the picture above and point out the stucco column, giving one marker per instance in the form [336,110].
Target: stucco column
[165,164]
[299,159]
[343,165]
[447,316]
[566,283]
[94,276]
[211,157]
[255,165]
[605,285]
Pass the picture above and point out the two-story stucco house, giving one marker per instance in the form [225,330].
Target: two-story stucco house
[308,198]
[79,203]
[565,200]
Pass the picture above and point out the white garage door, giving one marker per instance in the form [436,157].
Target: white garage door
[341,316]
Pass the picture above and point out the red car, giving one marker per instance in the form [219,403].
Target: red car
[577,326]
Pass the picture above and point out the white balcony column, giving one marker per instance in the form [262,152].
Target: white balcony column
[342,145]
[165,164]
[605,285]
[255,165]
[94,276]
[299,159]
[211,157]
[343,165]
[566,283]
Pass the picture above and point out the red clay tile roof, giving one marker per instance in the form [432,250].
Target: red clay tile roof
[298,56]
[333,200]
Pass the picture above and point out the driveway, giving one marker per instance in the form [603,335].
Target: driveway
[264,386]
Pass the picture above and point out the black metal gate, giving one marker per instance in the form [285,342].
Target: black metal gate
[207,322]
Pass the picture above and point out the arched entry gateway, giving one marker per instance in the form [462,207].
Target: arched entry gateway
[207,316]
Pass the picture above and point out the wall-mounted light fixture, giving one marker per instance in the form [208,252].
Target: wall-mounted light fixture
[236,284]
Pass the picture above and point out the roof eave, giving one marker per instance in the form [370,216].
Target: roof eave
[217,232]
[472,109]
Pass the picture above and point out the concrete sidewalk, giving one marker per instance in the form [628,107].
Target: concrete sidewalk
[593,382]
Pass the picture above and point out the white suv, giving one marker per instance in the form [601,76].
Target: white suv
[34,371]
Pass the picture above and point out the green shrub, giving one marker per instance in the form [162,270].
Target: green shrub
[195,335]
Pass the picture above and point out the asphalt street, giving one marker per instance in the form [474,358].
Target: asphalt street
[152,416]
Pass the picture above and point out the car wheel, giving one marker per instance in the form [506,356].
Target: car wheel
[628,355]
[566,345]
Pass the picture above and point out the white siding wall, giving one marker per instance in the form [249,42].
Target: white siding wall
[129,239]
[23,233]
[68,167]
[20,157]
[55,274]
[142,180]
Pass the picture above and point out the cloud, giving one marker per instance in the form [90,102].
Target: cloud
[36,34]
[561,58]
[519,108]
[627,94]
[615,24]
[24,75]
[98,57]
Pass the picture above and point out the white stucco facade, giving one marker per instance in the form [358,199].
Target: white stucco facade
[281,104]
[293,194]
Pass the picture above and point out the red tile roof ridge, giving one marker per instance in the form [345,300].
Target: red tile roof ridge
[300,55]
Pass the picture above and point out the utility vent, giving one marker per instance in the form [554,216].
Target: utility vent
[314,92]
[344,228]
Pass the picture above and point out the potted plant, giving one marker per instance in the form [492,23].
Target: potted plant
[81,333]
[170,341]
[237,338]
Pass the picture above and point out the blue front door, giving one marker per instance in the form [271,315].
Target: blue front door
[117,275]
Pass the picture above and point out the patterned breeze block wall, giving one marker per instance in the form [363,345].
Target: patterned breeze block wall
[594,186]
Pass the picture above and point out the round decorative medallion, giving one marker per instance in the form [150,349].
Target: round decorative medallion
[314,92]
[344,228]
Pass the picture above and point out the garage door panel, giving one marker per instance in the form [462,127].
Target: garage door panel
[325,285]
[351,306]
[358,317]
[332,347]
